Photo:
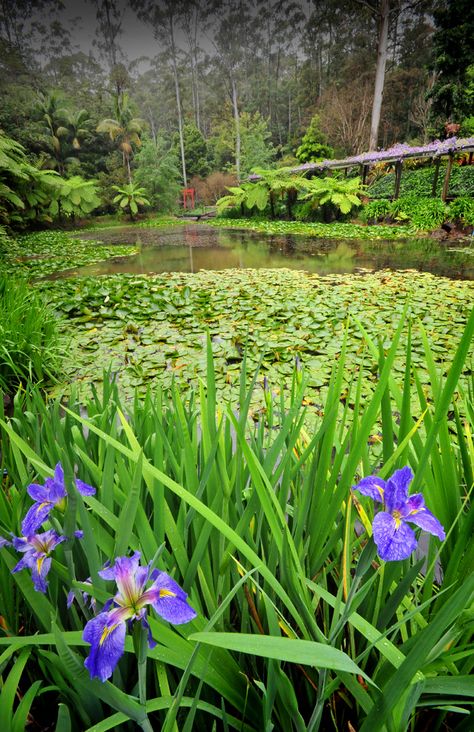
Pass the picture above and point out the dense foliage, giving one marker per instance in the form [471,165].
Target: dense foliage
[453,40]
[29,346]
[289,592]
[419,182]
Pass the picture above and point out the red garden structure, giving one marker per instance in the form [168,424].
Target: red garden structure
[188,197]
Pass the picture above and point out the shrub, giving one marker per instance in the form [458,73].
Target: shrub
[28,336]
[210,189]
[424,213]
[462,210]
[375,211]
[419,182]
[314,144]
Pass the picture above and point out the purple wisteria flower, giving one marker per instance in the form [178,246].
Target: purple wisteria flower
[37,549]
[46,497]
[106,632]
[393,537]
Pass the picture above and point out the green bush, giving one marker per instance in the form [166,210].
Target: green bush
[375,211]
[28,336]
[462,210]
[419,182]
[424,213]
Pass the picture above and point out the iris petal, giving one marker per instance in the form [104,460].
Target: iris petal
[84,488]
[371,486]
[40,567]
[414,503]
[396,492]
[425,520]
[37,515]
[169,600]
[394,539]
[38,492]
[107,646]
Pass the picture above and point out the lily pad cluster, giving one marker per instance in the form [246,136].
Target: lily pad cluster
[46,252]
[336,230]
[152,330]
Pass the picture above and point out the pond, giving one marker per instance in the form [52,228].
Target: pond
[195,247]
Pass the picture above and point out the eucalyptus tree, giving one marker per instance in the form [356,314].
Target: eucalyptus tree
[194,20]
[233,35]
[124,129]
[454,55]
[109,14]
[25,23]
[279,25]
[381,10]
[163,16]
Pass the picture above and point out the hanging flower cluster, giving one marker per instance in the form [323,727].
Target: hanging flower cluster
[396,152]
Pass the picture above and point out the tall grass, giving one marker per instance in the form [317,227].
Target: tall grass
[300,626]
[28,336]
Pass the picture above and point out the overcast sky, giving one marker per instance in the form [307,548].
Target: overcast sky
[136,39]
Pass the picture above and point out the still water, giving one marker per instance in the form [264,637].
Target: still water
[195,247]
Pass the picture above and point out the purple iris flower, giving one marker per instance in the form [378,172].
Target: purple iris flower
[106,632]
[87,599]
[37,549]
[46,497]
[392,535]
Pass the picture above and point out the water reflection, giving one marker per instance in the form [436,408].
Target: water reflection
[194,247]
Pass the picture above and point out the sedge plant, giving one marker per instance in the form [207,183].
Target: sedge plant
[296,613]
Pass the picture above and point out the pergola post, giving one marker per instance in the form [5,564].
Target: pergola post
[365,170]
[398,178]
[435,177]
[444,194]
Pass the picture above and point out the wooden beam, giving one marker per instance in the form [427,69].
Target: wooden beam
[435,177]
[398,178]
[365,170]
[444,193]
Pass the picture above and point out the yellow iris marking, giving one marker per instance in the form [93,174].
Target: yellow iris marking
[398,518]
[167,593]
[380,490]
[106,632]
[39,563]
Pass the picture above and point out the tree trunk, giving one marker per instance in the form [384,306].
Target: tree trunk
[382,52]
[178,99]
[237,128]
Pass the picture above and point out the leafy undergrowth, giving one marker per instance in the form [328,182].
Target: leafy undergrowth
[330,231]
[46,252]
[150,330]
[420,182]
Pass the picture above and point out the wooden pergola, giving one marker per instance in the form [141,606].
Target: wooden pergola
[397,154]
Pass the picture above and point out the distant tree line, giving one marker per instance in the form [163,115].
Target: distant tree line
[234,85]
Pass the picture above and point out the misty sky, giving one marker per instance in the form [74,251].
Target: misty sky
[136,39]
